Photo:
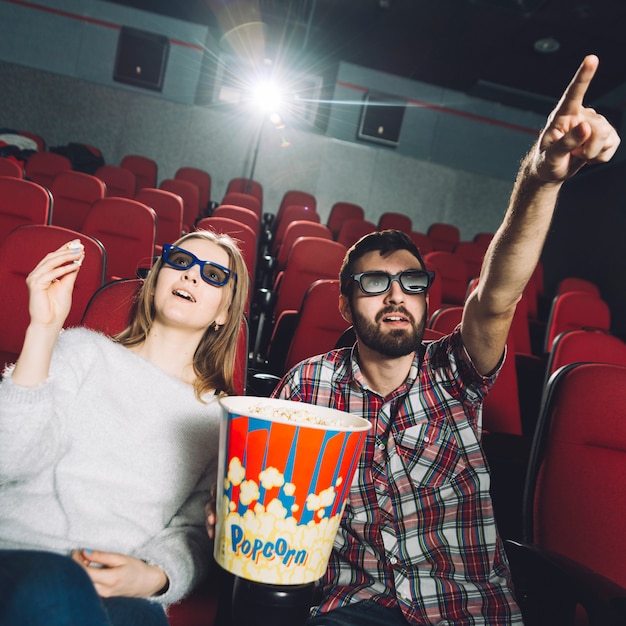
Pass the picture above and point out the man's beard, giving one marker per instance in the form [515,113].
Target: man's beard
[394,343]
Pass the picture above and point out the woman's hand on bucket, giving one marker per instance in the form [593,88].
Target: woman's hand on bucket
[211,515]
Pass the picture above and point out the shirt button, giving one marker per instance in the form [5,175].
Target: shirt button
[381,446]
[393,560]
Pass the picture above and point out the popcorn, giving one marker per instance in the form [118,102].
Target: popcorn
[296,414]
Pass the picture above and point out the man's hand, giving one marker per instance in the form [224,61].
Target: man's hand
[119,575]
[574,135]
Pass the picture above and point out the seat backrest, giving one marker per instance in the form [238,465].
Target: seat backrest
[352,230]
[501,408]
[434,296]
[201,179]
[42,167]
[120,182]
[127,230]
[109,309]
[319,324]
[483,240]
[295,197]
[309,260]
[576,310]
[245,200]
[9,167]
[247,186]
[574,283]
[574,501]
[443,236]
[240,375]
[20,252]
[421,240]
[292,214]
[591,346]
[168,207]
[239,214]
[190,193]
[445,319]
[144,168]
[73,194]
[452,272]
[473,255]
[22,202]
[397,221]
[340,212]
[296,229]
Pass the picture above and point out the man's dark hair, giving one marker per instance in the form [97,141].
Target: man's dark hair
[385,242]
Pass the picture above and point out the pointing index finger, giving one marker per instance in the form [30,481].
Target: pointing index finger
[572,99]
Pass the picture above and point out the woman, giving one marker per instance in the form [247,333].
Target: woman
[108,446]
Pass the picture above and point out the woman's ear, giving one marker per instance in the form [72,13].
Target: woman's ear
[222,316]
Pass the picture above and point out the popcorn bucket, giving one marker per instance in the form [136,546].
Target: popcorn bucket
[284,473]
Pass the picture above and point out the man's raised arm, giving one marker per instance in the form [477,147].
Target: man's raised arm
[573,137]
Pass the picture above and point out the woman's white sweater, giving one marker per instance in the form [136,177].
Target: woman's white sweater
[111,453]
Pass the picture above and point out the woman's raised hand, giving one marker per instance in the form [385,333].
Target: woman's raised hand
[50,287]
[51,283]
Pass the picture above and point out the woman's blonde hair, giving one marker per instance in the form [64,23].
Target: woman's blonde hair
[214,359]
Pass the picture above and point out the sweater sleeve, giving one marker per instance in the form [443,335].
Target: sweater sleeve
[32,427]
[31,435]
[183,549]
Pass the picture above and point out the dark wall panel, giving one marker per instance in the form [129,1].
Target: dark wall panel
[588,236]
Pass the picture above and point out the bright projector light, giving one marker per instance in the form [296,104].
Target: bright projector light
[267,97]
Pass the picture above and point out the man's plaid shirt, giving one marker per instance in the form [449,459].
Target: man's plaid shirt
[418,530]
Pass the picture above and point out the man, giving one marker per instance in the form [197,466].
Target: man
[418,542]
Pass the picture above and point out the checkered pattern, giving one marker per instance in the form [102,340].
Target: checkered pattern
[418,531]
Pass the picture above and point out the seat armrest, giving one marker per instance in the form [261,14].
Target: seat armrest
[550,586]
[262,384]
[279,343]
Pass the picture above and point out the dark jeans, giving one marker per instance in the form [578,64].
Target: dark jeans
[44,588]
[366,613]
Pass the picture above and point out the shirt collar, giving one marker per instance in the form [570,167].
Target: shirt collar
[352,371]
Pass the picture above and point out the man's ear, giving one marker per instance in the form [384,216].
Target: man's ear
[344,309]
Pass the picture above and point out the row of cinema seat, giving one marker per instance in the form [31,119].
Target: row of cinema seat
[449,289]
[505,443]
[126,228]
[85,202]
